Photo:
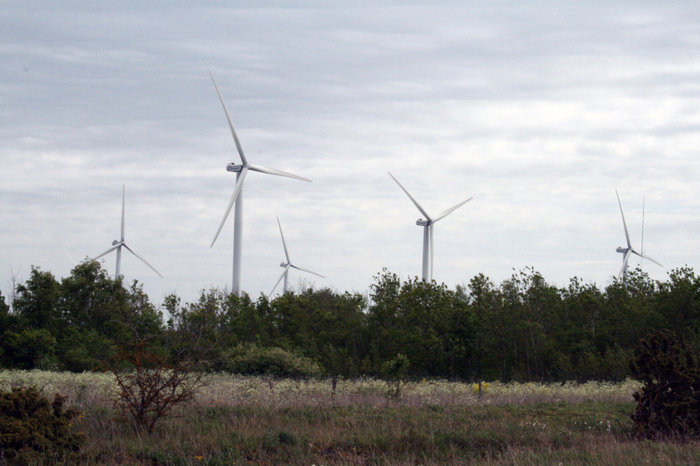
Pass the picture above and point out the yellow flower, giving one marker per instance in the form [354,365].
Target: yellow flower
[199,458]
[484,387]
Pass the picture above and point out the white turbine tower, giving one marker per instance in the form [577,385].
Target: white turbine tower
[288,265]
[629,250]
[237,198]
[118,245]
[427,225]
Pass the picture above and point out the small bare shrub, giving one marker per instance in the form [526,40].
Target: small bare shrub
[34,430]
[149,387]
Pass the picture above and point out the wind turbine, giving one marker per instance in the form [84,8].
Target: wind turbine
[288,265]
[427,225]
[118,245]
[237,197]
[629,250]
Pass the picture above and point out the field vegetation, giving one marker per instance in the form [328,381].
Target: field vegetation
[405,374]
[241,420]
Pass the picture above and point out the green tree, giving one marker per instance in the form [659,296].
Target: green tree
[8,322]
[382,320]
[36,302]
[99,314]
[484,303]
[30,348]
[200,326]
[426,322]
[678,301]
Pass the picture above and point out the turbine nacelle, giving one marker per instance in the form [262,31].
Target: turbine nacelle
[423,223]
[283,264]
[621,250]
[234,167]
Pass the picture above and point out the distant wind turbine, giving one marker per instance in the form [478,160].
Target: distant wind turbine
[117,245]
[641,261]
[288,265]
[629,250]
[237,197]
[427,224]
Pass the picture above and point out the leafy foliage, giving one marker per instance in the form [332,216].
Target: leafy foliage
[275,362]
[523,329]
[34,430]
[394,372]
[669,402]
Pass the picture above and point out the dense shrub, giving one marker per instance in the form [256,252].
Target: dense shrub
[276,362]
[34,430]
[669,401]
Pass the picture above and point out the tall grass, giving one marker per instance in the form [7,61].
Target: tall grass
[91,388]
[242,420]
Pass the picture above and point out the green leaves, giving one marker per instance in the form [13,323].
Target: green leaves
[669,402]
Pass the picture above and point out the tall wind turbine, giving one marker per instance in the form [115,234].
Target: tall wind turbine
[427,225]
[118,245]
[629,250]
[237,197]
[288,265]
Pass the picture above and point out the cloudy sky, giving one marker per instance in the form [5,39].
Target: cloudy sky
[539,110]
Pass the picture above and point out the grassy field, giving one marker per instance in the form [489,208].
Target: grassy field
[251,420]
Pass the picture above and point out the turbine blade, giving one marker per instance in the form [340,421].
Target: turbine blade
[123,197]
[274,171]
[279,280]
[286,252]
[106,252]
[142,260]
[422,211]
[627,234]
[646,257]
[236,191]
[451,209]
[233,131]
[306,270]
[69,256]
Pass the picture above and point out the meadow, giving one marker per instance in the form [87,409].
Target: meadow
[257,420]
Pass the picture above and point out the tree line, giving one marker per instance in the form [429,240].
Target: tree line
[522,329]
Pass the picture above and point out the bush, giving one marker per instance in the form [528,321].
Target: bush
[30,349]
[669,401]
[33,430]
[150,388]
[394,371]
[276,362]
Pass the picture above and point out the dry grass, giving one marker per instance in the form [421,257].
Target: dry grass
[90,389]
[241,420]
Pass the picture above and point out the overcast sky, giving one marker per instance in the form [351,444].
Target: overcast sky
[539,110]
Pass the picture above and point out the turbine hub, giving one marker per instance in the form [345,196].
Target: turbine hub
[233,167]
